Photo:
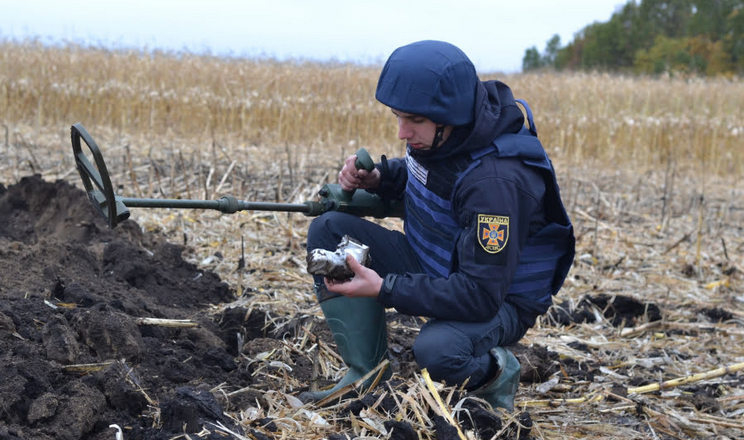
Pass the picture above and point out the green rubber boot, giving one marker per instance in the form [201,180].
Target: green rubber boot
[500,390]
[359,329]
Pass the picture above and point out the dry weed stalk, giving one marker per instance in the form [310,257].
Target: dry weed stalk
[686,380]
[172,323]
[86,368]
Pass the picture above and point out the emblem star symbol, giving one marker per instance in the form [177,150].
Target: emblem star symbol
[493,234]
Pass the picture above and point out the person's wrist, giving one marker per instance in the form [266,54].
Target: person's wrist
[379,283]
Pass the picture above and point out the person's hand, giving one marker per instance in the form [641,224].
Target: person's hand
[365,283]
[351,178]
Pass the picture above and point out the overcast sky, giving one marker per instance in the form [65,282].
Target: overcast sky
[495,34]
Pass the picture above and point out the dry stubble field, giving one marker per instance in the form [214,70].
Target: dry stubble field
[650,171]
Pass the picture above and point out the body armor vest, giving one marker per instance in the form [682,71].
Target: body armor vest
[432,227]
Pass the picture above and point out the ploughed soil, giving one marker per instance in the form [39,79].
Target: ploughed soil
[76,356]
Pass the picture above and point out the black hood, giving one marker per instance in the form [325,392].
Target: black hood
[496,113]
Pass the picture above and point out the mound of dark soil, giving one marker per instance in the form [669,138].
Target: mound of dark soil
[73,292]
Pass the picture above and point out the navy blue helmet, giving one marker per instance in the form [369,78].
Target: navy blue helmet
[430,78]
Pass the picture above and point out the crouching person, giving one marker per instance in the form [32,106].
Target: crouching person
[487,240]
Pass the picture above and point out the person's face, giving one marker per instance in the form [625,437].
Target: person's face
[418,131]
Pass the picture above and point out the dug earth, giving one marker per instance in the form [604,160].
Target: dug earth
[73,292]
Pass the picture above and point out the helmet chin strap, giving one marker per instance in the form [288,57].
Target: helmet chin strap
[437,137]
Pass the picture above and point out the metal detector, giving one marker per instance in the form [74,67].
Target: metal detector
[115,208]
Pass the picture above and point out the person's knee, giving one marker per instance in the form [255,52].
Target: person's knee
[442,353]
[324,231]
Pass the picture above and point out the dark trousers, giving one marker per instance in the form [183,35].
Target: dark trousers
[452,351]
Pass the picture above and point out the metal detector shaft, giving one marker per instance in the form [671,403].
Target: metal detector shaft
[225,204]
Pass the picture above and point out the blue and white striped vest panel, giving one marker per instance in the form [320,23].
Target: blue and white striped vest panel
[430,226]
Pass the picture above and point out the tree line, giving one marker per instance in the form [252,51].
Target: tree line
[700,37]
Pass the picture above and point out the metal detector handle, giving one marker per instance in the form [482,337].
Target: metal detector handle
[359,203]
[363,162]
[96,179]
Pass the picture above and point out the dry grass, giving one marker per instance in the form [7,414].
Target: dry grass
[639,122]
[650,171]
